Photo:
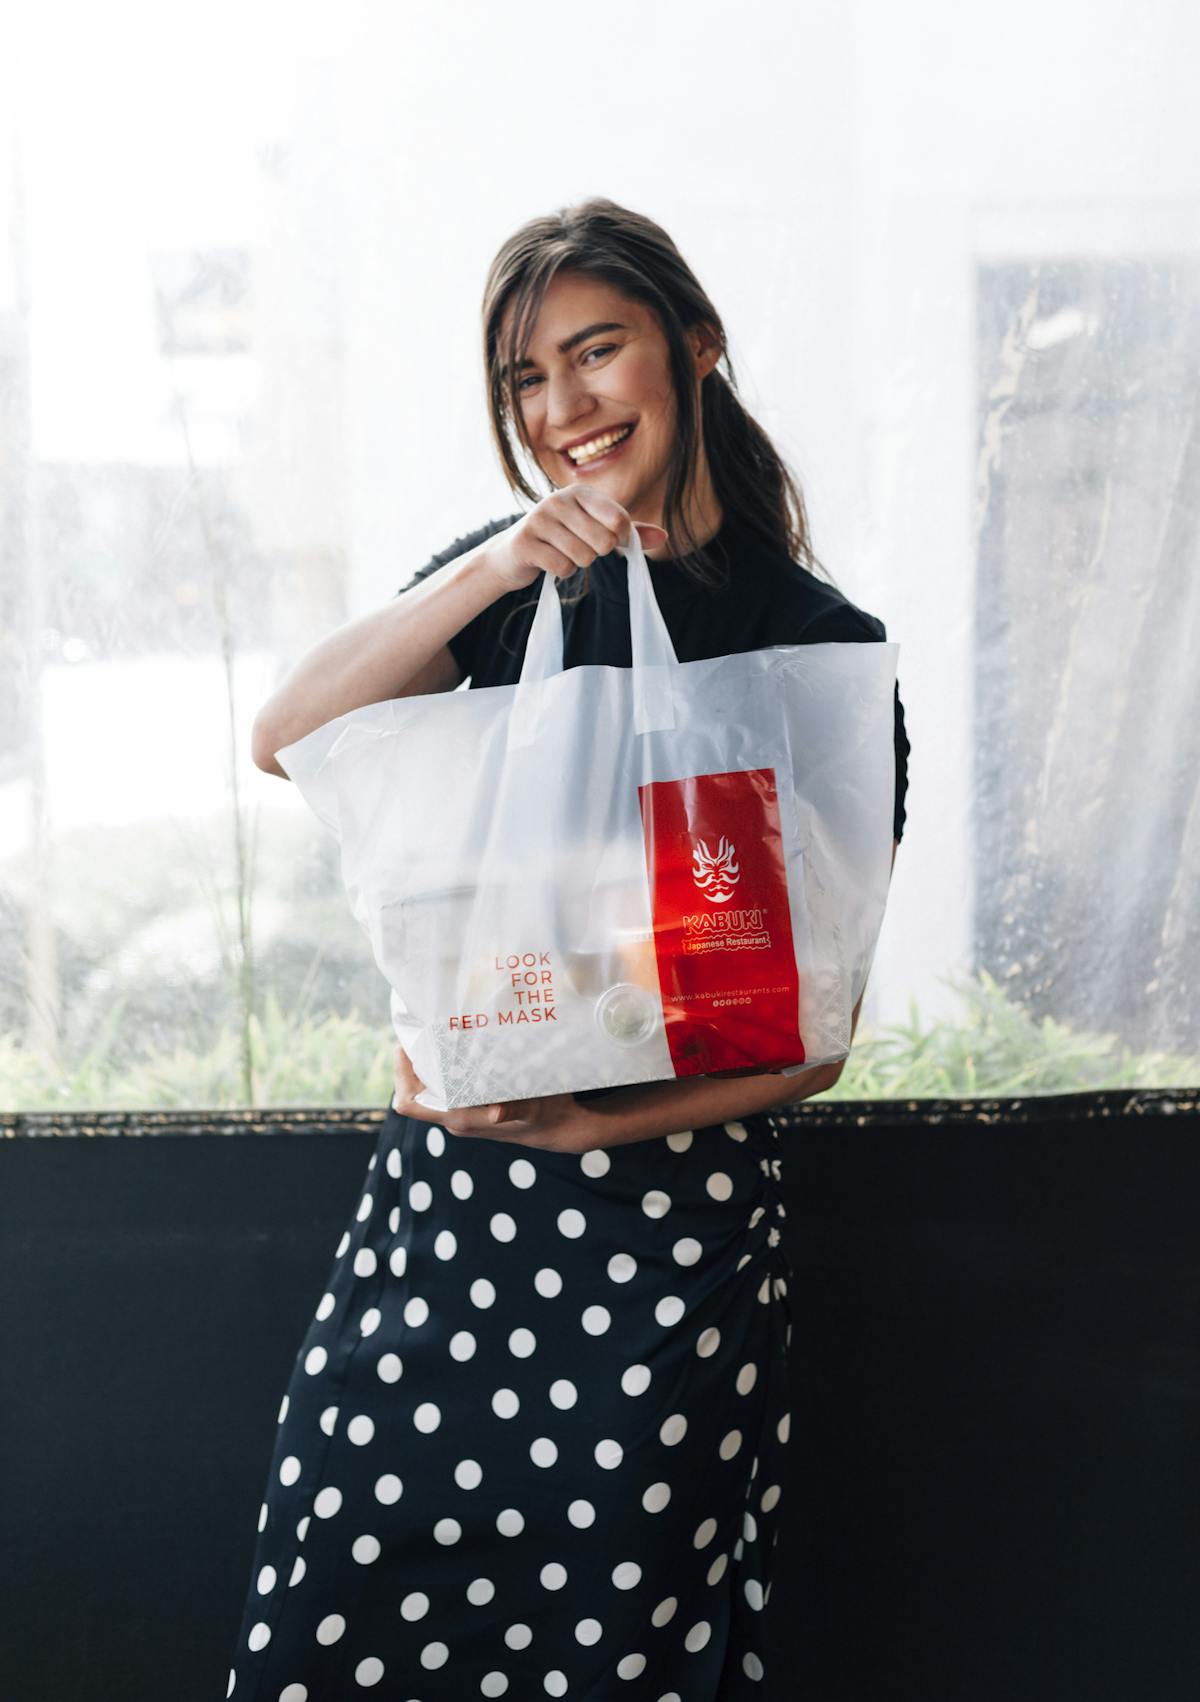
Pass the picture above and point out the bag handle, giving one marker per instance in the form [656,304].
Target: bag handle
[651,652]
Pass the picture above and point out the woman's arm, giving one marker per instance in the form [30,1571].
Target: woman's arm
[395,650]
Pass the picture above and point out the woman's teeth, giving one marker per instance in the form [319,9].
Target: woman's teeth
[597,445]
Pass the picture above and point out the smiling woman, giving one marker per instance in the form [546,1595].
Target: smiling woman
[511,1340]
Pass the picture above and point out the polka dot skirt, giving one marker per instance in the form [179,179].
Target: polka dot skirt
[531,1444]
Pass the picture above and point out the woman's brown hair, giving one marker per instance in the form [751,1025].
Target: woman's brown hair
[603,240]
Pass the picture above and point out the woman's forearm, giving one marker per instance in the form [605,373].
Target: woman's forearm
[374,657]
[668,1107]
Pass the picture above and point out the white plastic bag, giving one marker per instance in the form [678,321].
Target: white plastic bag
[613,875]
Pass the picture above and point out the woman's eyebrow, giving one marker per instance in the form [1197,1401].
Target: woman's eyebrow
[568,343]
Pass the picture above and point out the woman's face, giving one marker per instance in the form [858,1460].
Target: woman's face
[597,369]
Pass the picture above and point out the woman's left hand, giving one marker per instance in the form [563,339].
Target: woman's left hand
[553,1122]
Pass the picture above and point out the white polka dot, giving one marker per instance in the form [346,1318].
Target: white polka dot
[364,1208]
[314,1360]
[416,1311]
[784,1428]
[542,1451]
[622,1266]
[680,1142]
[656,1497]
[342,1245]
[368,1672]
[365,1262]
[369,1322]
[518,1636]
[328,1420]
[521,1343]
[260,1636]
[669,1311]
[388,1489]
[298,1570]
[327,1503]
[394,1219]
[656,1203]
[294,1693]
[746,1379]
[750,1527]
[510,1523]
[433,1656]
[555,1683]
[548,1283]
[365,1549]
[447,1531]
[394,1162]
[754,1593]
[752,1666]
[502,1226]
[360,1429]
[757,1215]
[664,1613]
[730,1443]
[736,1131]
[435,1141]
[331,1628]
[323,1310]
[420,1196]
[445,1244]
[588,1631]
[468,1474]
[266,1580]
[462,1185]
[398,1261]
[462,1345]
[770,1498]
[705,1532]
[480,1592]
[717,1570]
[563,1393]
[631,1666]
[764,1290]
[262,1517]
[233,1681]
[635,1380]
[581,1514]
[553,1576]
[626,1575]
[483,1293]
[427,1417]
[596,1320]
[673,1429]
[686,1251]
[289,1471]
[302,1527]
[595,1163]
[698,1636]
[389,1368]
[493,1684]
[608,1453]
[708,1342]
[719,1185]
[521,1173]
[571,1223]
[505,1403]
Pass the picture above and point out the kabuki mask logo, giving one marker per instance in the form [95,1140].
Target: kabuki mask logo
[716,876]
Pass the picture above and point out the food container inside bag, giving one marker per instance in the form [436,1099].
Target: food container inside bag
[610,876]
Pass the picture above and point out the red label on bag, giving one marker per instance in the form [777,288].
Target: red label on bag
[722,922]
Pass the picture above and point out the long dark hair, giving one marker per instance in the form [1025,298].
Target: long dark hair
[603,240]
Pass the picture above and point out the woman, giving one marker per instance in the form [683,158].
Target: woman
[532,1444]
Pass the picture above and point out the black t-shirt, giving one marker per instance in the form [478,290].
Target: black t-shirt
[763,598]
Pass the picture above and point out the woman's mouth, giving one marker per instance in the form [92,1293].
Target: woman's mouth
[601,449]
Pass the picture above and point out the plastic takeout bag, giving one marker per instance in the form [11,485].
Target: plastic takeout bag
[613,875]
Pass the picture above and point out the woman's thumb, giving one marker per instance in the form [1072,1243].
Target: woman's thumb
[650,535]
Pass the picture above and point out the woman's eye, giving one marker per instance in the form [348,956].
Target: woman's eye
[532,379]
[601,349]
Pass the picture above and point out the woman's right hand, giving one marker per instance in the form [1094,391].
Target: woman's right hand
[568,529]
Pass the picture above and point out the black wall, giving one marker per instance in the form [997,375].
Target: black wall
[994,1484]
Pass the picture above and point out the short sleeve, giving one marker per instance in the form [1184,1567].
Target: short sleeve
[844,623]
[467,644]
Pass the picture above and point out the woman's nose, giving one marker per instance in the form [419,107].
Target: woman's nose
[566,400]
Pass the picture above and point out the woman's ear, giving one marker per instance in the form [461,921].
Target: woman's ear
[706,348]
